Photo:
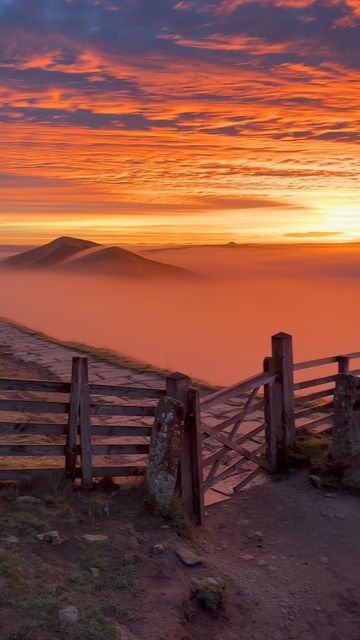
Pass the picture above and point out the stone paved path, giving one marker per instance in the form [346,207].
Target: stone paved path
[57,359]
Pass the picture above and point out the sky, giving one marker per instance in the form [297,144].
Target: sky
[161,121]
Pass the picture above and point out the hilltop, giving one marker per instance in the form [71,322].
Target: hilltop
[84,256]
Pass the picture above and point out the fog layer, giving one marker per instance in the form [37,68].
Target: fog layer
[216,328]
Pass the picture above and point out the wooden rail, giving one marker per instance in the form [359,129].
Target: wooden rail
[316,398]
[255,382]
[79,440]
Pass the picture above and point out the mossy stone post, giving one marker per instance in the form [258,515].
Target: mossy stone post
[165,452]
[346,432]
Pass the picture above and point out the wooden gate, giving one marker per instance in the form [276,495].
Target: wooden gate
[239,439]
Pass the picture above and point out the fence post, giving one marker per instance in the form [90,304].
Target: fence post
[195,453]
[270,417]
[177,386]
[73,421]
[84,422]
[282,355]
[344,364]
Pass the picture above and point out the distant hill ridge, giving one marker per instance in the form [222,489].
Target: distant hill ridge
[76,255]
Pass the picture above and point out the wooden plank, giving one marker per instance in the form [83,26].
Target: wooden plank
[46,386]
[321,408]
[73,423]
[232,469]
[270,417]
[177,386]
[118,391]
[353,356]
[355,372]
[239,417]
[120,410]
[249,384]
[115,431]
[344,364]
[119,449]
[235,447]
[314,396]
[316,382]
[283,401]
[33,406]
[29,474]
[116,472]
[309,364]
[32,428]
[317,423]
[247,411]
[98,472]
[249,477]
[196,455]
[214,456]
[32,450]
[84,421]
[232,434]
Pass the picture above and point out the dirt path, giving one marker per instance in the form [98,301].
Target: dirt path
[292,555]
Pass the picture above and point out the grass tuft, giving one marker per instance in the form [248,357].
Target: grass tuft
[314,449]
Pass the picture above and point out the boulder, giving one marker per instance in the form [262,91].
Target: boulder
[210,593]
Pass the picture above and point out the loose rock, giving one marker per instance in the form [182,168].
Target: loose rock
[158,549]
[12,539]
[94,572]
[316,480]
[52,537]
[189,558]
[28,500]
[69,615]
[95,537]
[247,557]
[256,537]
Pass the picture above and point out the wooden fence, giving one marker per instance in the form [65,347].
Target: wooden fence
[303,400]
[92,431]
[81,420]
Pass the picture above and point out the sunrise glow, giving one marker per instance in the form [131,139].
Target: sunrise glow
[190,122]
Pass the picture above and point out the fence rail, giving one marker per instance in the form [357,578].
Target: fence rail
[85,440]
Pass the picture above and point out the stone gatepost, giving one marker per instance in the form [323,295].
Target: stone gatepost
[346,433]
[165,451]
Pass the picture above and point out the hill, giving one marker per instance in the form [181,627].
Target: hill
[50,254]
[117,261]
[77,255]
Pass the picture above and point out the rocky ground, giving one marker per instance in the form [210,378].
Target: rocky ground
[285,556]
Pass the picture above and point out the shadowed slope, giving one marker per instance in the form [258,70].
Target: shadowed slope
[117,261]
[50,254]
